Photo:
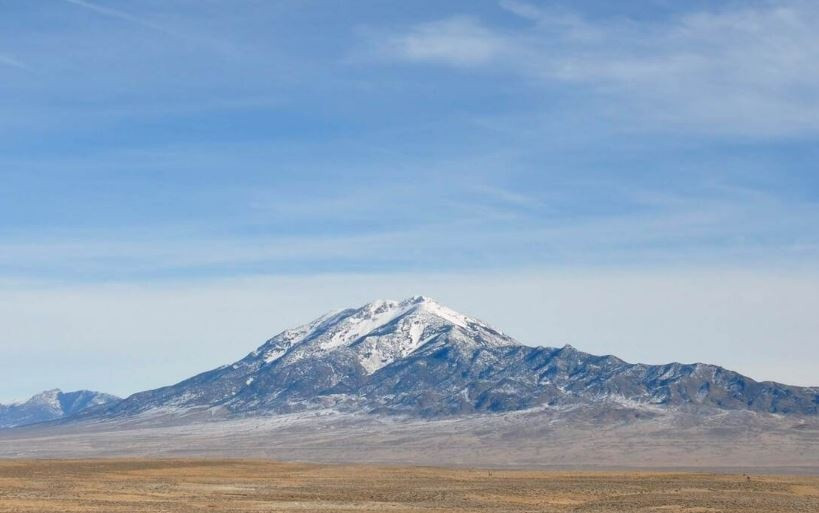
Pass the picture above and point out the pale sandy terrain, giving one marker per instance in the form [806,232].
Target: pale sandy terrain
[725,442]
[245,486]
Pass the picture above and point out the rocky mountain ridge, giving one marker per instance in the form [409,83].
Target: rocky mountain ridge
[52,405]
[419,358]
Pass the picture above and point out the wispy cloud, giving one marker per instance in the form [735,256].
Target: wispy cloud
[747,70]
[122,15]
[10,61]
[460,41]
[493,228]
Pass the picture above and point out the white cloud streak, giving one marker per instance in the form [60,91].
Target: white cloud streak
[747,227]
[11,61]
[460,41]
[747,71]
[122,15]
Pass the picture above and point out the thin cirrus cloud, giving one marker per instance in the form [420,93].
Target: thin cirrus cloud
[121,15]
[747,71]
[485,228]
[459,41]
[10,61]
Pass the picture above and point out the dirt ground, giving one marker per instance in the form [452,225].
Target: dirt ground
[247,486]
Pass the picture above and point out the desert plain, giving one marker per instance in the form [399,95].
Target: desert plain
[194,485]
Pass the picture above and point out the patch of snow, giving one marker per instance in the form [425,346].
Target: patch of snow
[274,354]
[49,398]
[416,330]
[365,329]
[364,321]
[446,313]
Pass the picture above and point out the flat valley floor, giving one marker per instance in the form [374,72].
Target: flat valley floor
[137,485]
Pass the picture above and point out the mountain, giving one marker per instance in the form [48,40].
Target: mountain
[419,358]
[52,405]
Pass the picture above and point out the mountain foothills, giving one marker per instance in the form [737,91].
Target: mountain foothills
[52,405]
[421,359]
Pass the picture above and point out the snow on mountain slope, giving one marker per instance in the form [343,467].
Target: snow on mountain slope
[380,332]
[418,357]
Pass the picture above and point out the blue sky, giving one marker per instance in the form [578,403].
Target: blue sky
[178,144]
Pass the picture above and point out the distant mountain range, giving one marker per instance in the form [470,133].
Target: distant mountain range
[419,358]
[52,405]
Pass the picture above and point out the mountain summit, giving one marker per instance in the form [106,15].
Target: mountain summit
[51,405]
[378,333]
[417,357]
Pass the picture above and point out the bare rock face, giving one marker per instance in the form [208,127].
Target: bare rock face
[419,358]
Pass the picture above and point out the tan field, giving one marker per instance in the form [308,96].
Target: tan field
[247,486]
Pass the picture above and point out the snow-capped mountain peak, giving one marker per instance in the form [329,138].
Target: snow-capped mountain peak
[49,399]
[379,332]
[419,357]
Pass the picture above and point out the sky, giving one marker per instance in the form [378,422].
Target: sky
[180,180]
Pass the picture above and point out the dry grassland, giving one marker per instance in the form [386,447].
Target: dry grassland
[134,485]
